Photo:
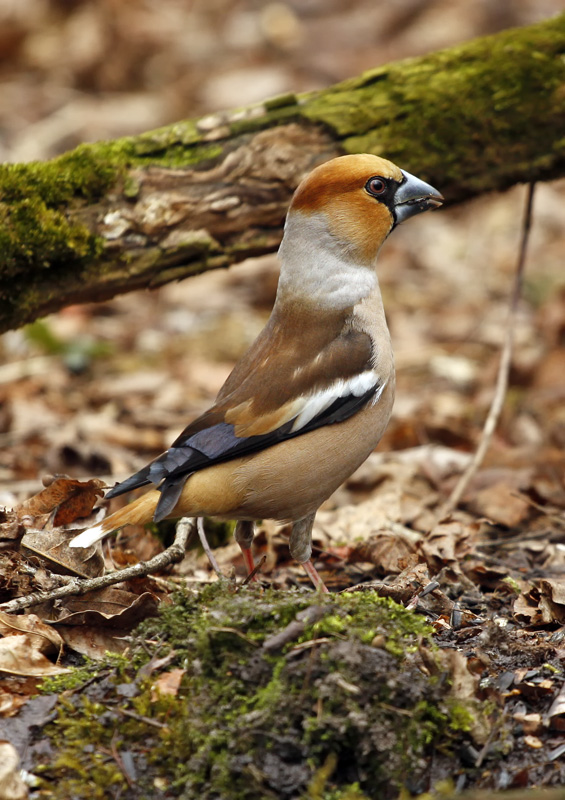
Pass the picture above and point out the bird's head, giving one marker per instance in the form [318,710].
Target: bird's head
[361,198]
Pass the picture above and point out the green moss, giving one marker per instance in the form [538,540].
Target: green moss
[512,584]
[420,112]
[85,172]
[461,716]
[461,118]
[281,101]
[304,718]
[32,236]
[69,680]
[41,243]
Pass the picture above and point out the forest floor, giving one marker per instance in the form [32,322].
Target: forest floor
[345,697]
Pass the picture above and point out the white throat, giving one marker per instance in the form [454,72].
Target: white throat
[316,267]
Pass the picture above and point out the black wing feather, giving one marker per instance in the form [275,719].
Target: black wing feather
[219,443]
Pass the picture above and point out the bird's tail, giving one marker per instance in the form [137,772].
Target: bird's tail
[207,492]
[139,512]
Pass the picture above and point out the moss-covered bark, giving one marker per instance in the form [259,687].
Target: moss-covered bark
[138,212]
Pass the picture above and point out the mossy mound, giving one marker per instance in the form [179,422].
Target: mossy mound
[284,695]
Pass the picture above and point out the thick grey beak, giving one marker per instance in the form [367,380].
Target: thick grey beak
[414,196]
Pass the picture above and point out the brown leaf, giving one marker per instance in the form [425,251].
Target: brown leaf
[552,598]
[11,530]
[71,499]
[526,608]
[93,641]
[488,576]
[167,683]
[389,551]
[111,607]
[556,713]
[52,546]
[20,655]
[49,640]
[499,503]
[448,543]
[544,604]
[10,704]
[11,785]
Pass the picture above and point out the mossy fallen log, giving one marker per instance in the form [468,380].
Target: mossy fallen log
[138,212]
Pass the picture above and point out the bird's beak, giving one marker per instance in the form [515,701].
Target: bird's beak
[414,196]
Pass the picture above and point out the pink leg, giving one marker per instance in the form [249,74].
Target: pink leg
[301,549]
[248,559]
[314,576]
[244,537]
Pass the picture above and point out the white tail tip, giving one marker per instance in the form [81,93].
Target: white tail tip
[88,537]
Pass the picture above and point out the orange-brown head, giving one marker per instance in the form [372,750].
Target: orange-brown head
[339,217]
[363,197]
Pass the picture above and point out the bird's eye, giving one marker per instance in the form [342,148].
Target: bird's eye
[376,186]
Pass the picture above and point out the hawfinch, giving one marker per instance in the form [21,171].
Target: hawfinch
[313,395]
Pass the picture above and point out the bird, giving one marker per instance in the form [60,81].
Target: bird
[311,398]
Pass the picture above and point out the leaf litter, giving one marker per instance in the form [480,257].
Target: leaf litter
[488,578]
[94,392]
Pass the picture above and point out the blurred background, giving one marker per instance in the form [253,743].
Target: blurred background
[99,389]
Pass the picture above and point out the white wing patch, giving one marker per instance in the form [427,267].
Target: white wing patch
[317,403]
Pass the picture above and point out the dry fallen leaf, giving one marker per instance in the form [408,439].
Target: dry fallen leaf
[30,623]
[167,683]
[11,529]
[11,785]
[556,713]
[20,655]
[52,546]
[69,498]
[25,643]
[111,607]
[448,542]
[553,597]
[499,503]
[94,641]
[543,604]
[10,704]
[388,551]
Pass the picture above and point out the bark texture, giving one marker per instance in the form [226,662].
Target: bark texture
[139,212]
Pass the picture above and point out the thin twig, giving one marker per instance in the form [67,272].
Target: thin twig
[171,555]
[503,369]
[254,571]
[148,721]
[207,549]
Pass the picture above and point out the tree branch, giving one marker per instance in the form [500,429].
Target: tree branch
[80,586]
[139,212]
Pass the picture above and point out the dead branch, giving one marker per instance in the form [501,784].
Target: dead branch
[77,586]
[139,212]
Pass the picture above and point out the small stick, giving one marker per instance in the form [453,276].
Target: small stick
[207,549]
[171,555]
[503,369]
[254,571]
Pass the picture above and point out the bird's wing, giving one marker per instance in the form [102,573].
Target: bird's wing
[266,407]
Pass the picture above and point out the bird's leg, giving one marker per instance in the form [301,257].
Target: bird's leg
[244,533]
[207,549]
[301,549]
